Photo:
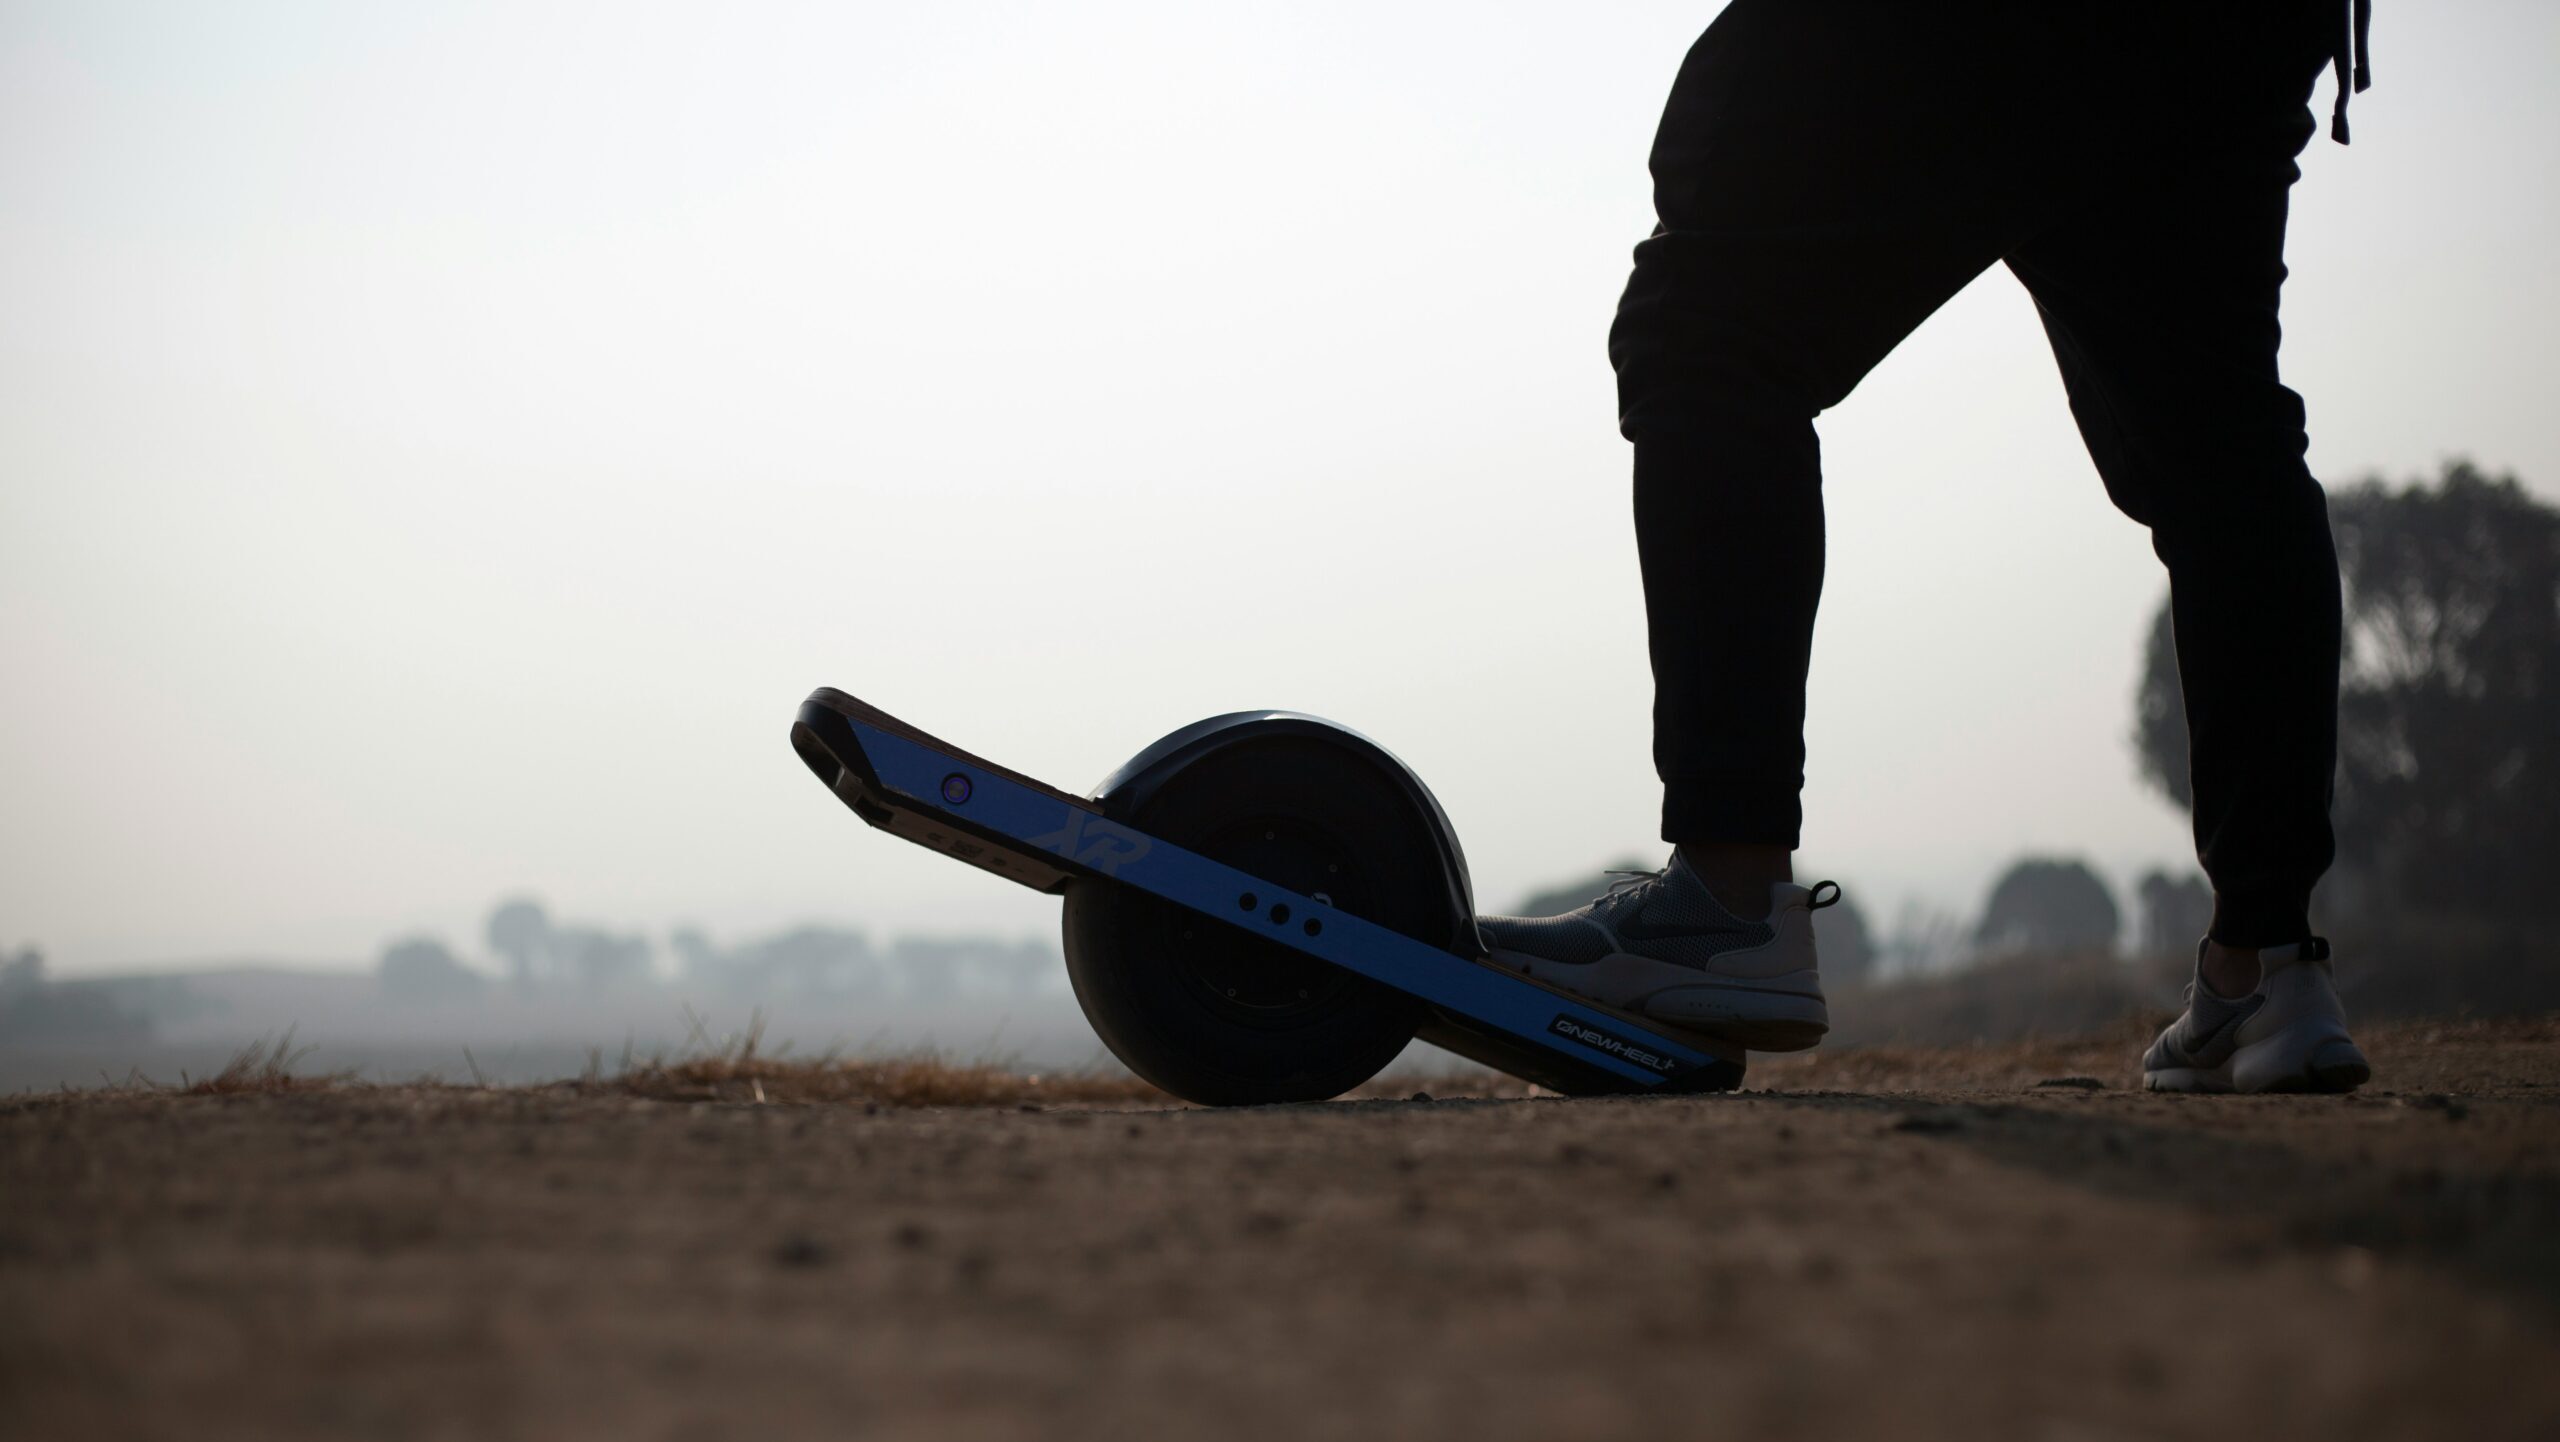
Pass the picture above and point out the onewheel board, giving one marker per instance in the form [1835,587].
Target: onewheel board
[1261,907]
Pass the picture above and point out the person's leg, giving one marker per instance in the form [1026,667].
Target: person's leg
[2159,289]
[2161,302]
[1729,530]
[1827,173]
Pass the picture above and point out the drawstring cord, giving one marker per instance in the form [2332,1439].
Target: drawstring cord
[2353,59]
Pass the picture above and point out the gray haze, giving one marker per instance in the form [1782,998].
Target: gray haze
[439,445]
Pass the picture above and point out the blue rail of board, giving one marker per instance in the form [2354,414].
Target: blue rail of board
[934,781]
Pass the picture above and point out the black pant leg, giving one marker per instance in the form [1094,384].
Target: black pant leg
[1827,174]
[2160,296]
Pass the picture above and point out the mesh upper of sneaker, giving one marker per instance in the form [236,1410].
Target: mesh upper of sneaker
[1668,916]
[2206,1033]
[1567,938]
[2294,990]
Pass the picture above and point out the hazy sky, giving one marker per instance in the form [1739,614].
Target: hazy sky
[439,445]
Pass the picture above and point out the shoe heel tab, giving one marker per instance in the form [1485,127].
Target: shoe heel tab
[2312,949]
[1794,896]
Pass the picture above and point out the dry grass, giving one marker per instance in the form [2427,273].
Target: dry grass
[739,1070]
[734,1070]
[260,1068]
[2458,1054]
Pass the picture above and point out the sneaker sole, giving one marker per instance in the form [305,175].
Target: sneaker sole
[1784,1013]
[2327,1065]
[1757,1020]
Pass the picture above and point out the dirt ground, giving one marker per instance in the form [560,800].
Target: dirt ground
[1875,1244]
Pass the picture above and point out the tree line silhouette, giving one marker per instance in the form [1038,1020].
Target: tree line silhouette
[2448,788]
[2448,785]
[542,954]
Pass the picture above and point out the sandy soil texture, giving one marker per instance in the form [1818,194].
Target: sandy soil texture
[1983,1243]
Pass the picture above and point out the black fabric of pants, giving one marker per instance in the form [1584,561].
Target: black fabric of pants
[1827,174]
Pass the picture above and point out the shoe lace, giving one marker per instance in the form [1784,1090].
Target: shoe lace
[1630,883]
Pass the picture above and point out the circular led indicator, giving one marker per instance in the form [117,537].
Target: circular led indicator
[955,788]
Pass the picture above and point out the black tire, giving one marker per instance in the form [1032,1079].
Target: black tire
[1217,1014]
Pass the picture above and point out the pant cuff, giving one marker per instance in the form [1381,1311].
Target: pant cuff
[2261,919]
[1748,810]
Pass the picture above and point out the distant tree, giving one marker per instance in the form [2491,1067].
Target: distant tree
[695,954]
[2046,904]
[999,968]
[2160,714]
[22,973]
[2448,780]
[600,960]
[2175,912]
[928,968]
[1841,939]
[700,959]
[833,961]
[520,931]
[807,960]
[1925,941]
[37,1011]
[423,969]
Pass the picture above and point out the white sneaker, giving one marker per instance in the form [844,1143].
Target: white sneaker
[1658,944]
[2290,1035]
